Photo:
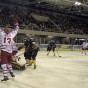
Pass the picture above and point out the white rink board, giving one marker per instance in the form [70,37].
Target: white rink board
[69,71]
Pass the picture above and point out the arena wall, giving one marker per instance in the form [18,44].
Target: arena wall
[59,46]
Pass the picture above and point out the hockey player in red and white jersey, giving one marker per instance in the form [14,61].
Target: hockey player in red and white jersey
[6,50]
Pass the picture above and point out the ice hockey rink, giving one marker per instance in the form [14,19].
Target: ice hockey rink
[69,71]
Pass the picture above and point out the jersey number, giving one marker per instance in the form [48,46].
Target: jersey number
[7,40]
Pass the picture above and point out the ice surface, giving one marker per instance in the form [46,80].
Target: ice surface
[69,71]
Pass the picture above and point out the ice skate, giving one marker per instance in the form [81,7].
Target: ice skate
[5,78]
[12,75]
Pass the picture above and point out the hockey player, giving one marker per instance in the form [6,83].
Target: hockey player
[31,50]
[51,46]
[84,47]
[6,50]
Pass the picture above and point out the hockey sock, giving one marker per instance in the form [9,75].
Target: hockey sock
[5,70]
[10,67]
[34,62]
[11,70]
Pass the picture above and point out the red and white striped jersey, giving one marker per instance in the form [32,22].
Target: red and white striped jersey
[7,40]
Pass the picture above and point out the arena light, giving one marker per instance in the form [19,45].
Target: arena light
[77,3]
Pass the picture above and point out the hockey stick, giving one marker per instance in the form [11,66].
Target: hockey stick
[20,54]
[21,47]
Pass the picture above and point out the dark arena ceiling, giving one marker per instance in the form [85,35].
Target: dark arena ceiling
[76,8]
[69,6]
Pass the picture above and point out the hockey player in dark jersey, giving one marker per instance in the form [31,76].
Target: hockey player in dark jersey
[51,46]
[31,50]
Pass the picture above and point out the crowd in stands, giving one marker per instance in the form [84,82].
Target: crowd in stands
[58,22]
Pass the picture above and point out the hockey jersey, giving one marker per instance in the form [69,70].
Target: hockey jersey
[7,39]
